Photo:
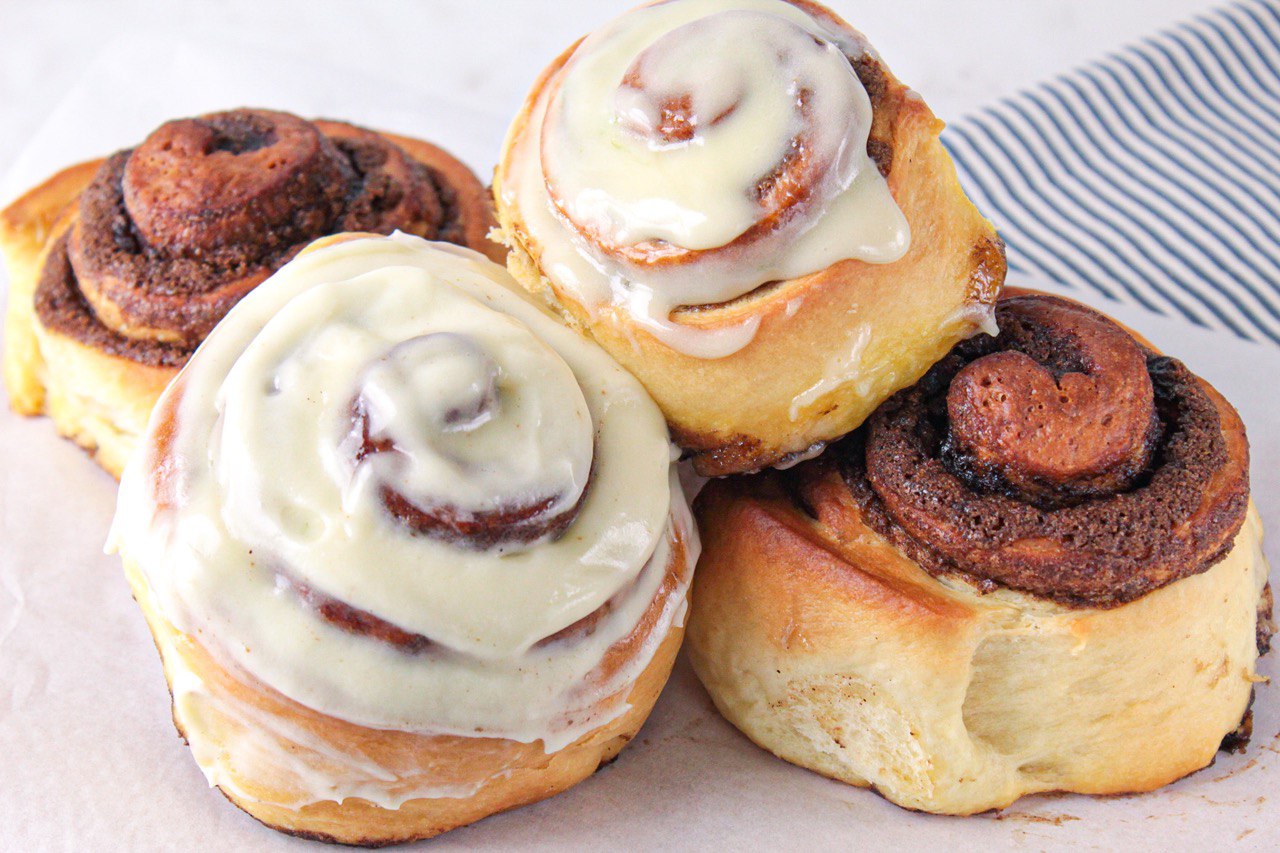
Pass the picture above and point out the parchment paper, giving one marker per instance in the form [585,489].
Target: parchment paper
[89,759]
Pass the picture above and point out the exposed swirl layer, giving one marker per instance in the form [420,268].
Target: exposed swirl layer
[399,494]
[658,173]
[498,490]
[1061,458]
[121,266]
[172,233]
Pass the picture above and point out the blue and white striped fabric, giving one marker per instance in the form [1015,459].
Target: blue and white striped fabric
[1151,177]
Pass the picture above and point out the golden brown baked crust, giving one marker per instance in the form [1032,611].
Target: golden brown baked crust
[97,375]
[840,641]
[507,774]
[26,226]
[747,410]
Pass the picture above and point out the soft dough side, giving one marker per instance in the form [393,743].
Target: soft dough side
[947,700]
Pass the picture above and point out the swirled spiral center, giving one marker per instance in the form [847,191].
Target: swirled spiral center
[441,379]
[1057,419]
[646,140]
[196,185]
[655,102]
[444,411]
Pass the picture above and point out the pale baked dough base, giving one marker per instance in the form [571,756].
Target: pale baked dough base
[845,657]
[99,401]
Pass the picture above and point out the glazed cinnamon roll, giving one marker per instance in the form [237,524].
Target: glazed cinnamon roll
[1037,569]
[771,237]
[412,551]
[119,268]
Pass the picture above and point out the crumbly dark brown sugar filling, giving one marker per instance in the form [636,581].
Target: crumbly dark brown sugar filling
[883,112]
[60,307]
[1099,532]
[173,233]
[524,522]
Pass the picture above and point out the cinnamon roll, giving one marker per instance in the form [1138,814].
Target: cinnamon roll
[119,268]
[771,237]
[413,552]
[1036,569]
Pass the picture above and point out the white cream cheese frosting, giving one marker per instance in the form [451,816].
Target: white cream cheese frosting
[656,138]
[396,365]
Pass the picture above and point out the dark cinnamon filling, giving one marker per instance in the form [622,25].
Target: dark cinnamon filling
[391,190]
[354,620]
[470,529]
[362,623]
[1060,458]
[475,530]
[782,194]
[61,307]
[173,233]
[884,111]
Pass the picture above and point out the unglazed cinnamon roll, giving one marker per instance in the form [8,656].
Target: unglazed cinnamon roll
[412,551]
[1037,569]
[119,268]
[741,203]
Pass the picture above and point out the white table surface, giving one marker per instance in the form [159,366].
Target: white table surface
[81,787]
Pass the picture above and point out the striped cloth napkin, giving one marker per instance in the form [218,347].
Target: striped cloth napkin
[1151,177]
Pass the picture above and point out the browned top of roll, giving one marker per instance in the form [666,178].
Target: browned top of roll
[1061,458]
[174,232]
